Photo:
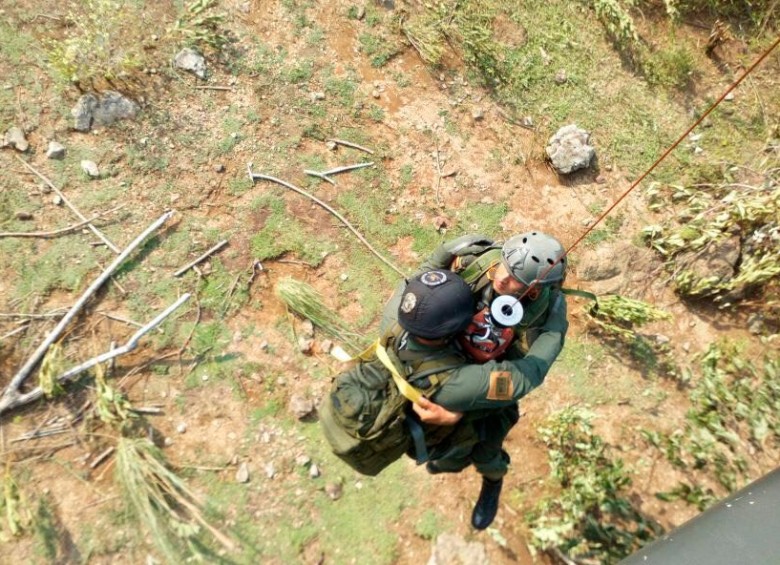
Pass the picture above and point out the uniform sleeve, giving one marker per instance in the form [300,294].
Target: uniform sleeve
[496,384]
[442,256]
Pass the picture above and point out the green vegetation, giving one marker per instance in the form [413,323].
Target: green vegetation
[733,421]
[588,515]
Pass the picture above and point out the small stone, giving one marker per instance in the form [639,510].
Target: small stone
[662,339]
[242,475]
[307,328]
[219,168]
[305,345]
[302,460]
[561,77]
[478,115]
[315,96]
[91,168]
[527,121]
[24,216]
[361,13]
[56,200]
[601,179]
[344,277]
[331,145]
[300,406]
[204,378]
[375,93]
[334,490]
[698,150]
[326,345]
[729,97]
[168,442]
[270,470]
[440,222]
[189,59]
[55,151]
[181,428]
[686,346]
[314,471]
[15,138]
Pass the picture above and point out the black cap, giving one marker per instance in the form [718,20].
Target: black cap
[436,304]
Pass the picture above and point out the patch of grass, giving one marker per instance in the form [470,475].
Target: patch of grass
[343,89]
[669,67]
[300,72]
[282,234]
[378,48]
[482,218]
[429,526]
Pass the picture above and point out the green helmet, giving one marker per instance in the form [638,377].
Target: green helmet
[534,258]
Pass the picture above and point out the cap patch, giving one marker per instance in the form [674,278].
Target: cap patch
[409,302]
[433,278]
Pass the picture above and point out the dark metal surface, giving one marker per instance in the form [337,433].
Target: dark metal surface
[743,529]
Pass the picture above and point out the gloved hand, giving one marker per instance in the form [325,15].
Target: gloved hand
[556,317]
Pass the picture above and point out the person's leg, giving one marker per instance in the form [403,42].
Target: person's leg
[492,462]
[454,453]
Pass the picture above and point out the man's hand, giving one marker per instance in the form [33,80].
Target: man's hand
[431,413]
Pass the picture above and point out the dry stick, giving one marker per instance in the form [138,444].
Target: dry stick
[13,386]
[57,233]
[438,173]
[352,145]
[255,176]
[32,316]
[121,319]
[16,331]
[229,88]
[102,457]
[15,399]
[338,170]
[214,249]
[73,209]
[319,175]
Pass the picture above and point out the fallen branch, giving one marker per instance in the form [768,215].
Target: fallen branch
[228,88]
[13,387]
[254,176]
[189,266]
[352,145]
[338,170]
[57,233]
[20,329]
[319,175]
[73,209]
[102,457]
[12,398]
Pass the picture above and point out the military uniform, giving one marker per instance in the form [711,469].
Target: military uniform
[487,393]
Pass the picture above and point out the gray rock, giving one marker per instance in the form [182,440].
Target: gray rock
[189,59]
[15,138]
[478,114]
[561,77]
[314,471]
[307,328]
[270,470]
[91,168]
[55,151]
[305,344]
[451,549]
[301,407]
[302,460]
[110,107]
[569,151]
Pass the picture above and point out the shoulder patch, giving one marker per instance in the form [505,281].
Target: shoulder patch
[501,386]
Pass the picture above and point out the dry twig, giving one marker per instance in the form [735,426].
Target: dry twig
[12,398]
[57,233]
[211,251]
[12,390]
[352,145]
[67,202]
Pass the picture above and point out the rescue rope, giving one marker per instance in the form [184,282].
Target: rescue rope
[652,167]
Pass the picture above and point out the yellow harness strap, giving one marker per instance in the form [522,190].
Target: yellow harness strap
[404,387]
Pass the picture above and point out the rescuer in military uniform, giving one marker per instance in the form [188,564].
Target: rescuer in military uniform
[480,398]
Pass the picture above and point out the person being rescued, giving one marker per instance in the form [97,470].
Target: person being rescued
[467,408]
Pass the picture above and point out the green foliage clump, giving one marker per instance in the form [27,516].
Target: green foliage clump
[202,26]
[15,518]
[618,315]
[708,216]
[734,420]
[97,45]
[589,517]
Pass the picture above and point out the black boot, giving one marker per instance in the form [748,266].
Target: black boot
[487,505]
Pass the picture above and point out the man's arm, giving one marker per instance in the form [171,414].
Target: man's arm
[496,384]
[431,413]
[443,256]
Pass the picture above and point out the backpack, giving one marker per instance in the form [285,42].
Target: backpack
[366,418]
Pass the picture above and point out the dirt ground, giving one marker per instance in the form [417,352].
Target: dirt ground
[211,429]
